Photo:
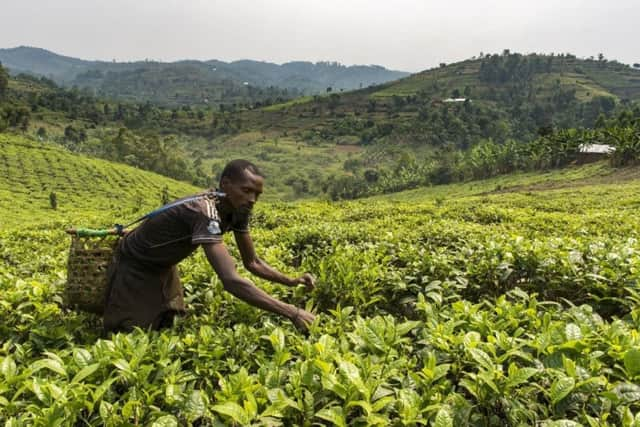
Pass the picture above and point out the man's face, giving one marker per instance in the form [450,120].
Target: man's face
[243,192]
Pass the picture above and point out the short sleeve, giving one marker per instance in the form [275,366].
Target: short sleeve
[206,227]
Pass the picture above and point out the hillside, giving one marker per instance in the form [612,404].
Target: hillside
[194,82]
[162,140]
[522,113]
[30,171]
[509,96]
[469,309]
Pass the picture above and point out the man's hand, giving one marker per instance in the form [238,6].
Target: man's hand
[302,319]
[307,280]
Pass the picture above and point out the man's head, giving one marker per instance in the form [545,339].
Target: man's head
[242,182]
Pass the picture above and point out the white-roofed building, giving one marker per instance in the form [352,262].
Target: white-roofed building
[593,152]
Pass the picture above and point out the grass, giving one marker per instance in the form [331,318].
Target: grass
[529,181]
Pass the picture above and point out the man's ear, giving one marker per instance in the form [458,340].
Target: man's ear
[224,182]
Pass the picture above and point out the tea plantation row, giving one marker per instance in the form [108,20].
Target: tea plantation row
[497,309]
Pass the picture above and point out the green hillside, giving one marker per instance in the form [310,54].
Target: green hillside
[587,77]
[509,96]
[31,171]
[521,113]
[456,305]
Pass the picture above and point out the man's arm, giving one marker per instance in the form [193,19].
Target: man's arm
[225,268]
[261,269]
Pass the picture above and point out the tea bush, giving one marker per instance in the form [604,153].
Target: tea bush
[501,309]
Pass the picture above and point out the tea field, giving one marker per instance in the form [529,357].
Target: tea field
[495,303]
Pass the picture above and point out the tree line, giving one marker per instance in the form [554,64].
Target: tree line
[488,158]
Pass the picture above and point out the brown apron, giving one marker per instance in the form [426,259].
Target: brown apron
[141,295]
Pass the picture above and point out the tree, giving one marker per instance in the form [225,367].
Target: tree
[164,198]
[53,200]
[351,165]
[601,121]
[71,134]
[4,81]
[371,176]
[299,185]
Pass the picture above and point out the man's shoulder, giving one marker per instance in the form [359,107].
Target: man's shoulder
[199,202]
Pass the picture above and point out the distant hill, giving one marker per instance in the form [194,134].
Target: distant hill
[194,82]
[499,96]
[489,75]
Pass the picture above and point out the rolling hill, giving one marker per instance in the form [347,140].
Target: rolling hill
[507,96]
[30,171]
[433,127]
[194,82]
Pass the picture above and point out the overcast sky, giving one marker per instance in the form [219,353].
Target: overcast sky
[409,35]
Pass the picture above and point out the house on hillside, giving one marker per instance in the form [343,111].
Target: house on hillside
[589,153]
[455,100]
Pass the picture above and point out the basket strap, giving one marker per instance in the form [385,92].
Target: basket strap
[119,228]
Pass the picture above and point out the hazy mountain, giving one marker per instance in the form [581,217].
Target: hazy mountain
[185,82]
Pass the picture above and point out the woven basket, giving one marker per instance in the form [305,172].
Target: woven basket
[89,260]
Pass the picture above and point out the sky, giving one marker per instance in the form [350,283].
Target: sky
[408,35]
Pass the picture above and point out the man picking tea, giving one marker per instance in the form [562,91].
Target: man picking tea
[144,288]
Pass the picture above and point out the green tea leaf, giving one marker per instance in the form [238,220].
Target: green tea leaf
[277,339]
[233,411]
[196,404]
[627,392]
[443,417]
[334,415]
[381,403]
[471,339]
[122,365]
[51,364]
[520,376]
[85,372]
[572,332]
[563,423]
[482,358]
[632,361]
[352,373]
[366,406]
[82,357]
[165,421]
[404,328]
[102,389]
[8,368]
[561,388]
[440,371]
[251,406]
[331,383]
[106,410]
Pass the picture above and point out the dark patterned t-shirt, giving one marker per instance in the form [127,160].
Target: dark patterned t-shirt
[173,235]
